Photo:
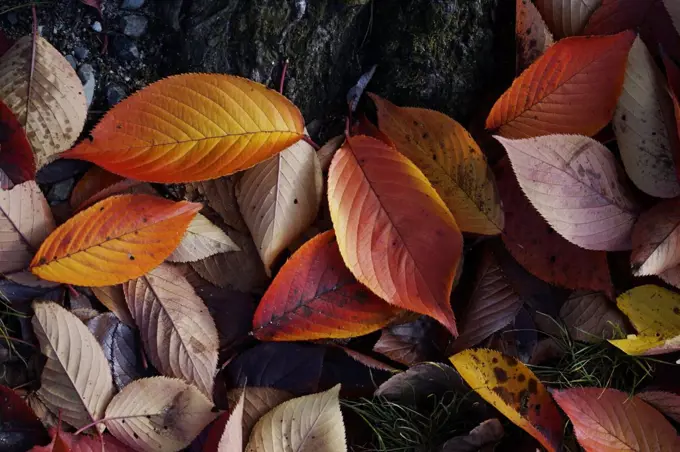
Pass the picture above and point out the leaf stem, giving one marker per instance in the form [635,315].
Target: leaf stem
[283,76]
[311,142]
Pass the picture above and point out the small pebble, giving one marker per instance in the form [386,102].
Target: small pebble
[86,74]
[96,26]
[114,94]
[134,25]
[125,48]
[132,4]
[81,53]
[71,60]
[60,191]
[12,18]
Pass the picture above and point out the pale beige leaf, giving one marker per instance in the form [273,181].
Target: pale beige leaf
[327,151]
[232,437]
[257,402]
[48,418]
[25,221]
[645,128]
[279,199]
[591,317]
[219,195]
[567,17]
[240,270]
[158,414]
[48,101]
[178,333]
[76,381]
[311,423]
[113,298]
[202,239]
[532,35]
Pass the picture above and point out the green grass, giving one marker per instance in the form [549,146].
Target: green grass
[6,337]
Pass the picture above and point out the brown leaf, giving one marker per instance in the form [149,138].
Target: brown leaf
[327,151]
[667,403]
[410,343]
[256,403]
[591,317]
[113,298]
[202,239]
[481,438]
[219,195]
[567,17]
[532,36]
[656,239]
[417,385]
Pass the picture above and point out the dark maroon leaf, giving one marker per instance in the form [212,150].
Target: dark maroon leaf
[413,342]
[481,438]
[16,155]
[96,4]
[356,378]
[20,428]
[121,347]
[5,43]
[415,386]
[292,367]
[233,313]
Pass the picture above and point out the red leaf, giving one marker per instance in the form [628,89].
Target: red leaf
[19,426]
[649,17]
[67,442]
[16,155]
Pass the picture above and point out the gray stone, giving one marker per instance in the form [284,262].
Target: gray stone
[114,94]
[134,25]
[71,60]
[81,53]
[97,26]
[12,18]
[132,4]
[87,77]
[60,191]
[125,48]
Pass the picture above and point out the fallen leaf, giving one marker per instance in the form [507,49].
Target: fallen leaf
[485,435]
[567,17]
[232,438]
[410,343]
[367,360]
[93,181]
[16,156]
[314,296]
[158,413]
[573,182]
[310,423]
[532,36]
[134,233]
[5,43]
[649,17]
[451,160]
[220,195]
[58,444]
[233,314]
[45,94]
[493,304]
[389,253]
[114,299]
[5,182]
[75,382]
[656,239]
[328,150]
[655,314]
[82,443]
[202,239]
[20,428]
[591,317]
[674,12]
[279,199]
[178,333]
[673,76]
[192,127]
[645,128]
[256,403]
[609,420]
[120,346]
[124,186]
[514,390]
[25,222]
[666,403]
[571,89]
[540,250]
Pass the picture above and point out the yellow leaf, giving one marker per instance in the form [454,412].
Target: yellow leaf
[655,314]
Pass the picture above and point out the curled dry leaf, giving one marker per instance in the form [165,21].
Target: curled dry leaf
[451,160]
[279,199]
[514,390]
[16,159]
[45,94]
[567,17]
[113,298]
[257,402]
[540,250]
[591,317]
[609,420]
[134,233]
[667,403]
[25,221]
[178,333]
[314,296]
[645,128]
[75,382]
[310,423]
[493,304]
[655,314]
[162,133]
[532,36]
[572,88]
[573,182]
[158,413]
[202,239]
[380,204]
[120,346]
[656,239]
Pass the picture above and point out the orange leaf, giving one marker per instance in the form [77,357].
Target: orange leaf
[566,17]
[114,241]
[540,250]
[93,181]
[314,296]
[192,127]
[451,160]
[394,232]
[532,36]
[656,239]
[607,420]
[572,88]
[514,390]
[574,184]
